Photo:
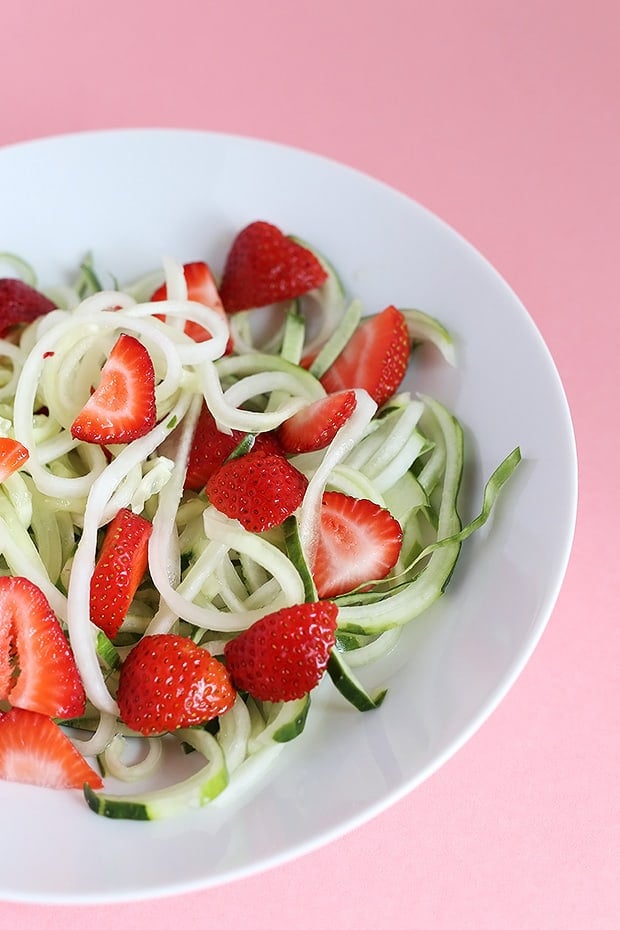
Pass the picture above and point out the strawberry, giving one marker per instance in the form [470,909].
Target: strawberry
[358,542]
[20,303]
[260,489]
[35,751]
[202,289]
[37,667]
[283,655]
[375,358]
[167,682]
[315,426]
[122,407]
[264,267]
[12,456]
[119,570]
[211,448]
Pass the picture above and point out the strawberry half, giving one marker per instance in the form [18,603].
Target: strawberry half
[35,751]
[315,426]
[375,358]
[358,542]
[37,667]
[283,655]
[119,570]
[260,489]
[167,682]
[202,289]
[20,303]
[264,267]
[211,448]
[12,456]
[122,407]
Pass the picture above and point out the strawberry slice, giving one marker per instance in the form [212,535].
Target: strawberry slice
[167,682]
[283,655]
[12,456]
[260,489]
[211,448]
[315,426]
[264,267]
[375,358]
[201,288]
[37,667]
[20,303]
[358,542]
[119,570]
[122,407]
[35,751]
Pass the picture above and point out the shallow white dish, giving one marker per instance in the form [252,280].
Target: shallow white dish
[134,196]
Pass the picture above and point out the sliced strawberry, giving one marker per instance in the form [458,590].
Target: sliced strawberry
[283,656]
[358,542]
[37,667]
[260,489]
[12,456]
[119,570]
[35,751]
[122,407]
[167,682]
[264,267]
[201,288]
[20,303]
[375,358]
[211,448]
[315,426]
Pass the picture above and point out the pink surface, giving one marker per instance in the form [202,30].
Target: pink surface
[502,118]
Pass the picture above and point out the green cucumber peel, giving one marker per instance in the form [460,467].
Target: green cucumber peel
[350,686]
[196,791]
[338,340]
[295,553]
[23,268]
[293,337]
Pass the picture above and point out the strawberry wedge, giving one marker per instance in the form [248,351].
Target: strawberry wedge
[35,751]
[12,456]
[264,267]
[119,570]
[315,426]
[375,358]
[122,407]
[202,289]
[358,541]
[37,667]
[20,303]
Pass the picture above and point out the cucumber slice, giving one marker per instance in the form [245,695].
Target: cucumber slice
[295,552]
[192,792]
[350,686]
[338,340]
[284,722]
[425,328]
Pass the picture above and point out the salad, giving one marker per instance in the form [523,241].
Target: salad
[213,495]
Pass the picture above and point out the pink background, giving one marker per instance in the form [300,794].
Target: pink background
[504,119]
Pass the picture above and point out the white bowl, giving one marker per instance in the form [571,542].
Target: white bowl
[134,196]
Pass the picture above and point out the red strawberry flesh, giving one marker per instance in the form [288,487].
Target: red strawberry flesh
[122,407]
[375,358]
[168,682]
[12,456]
[264,267]
[359,542]
[20,303]
[34,750]
[260,489]
[119,570]
[315,426]
[282,656]
[37,666]
[202,289]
